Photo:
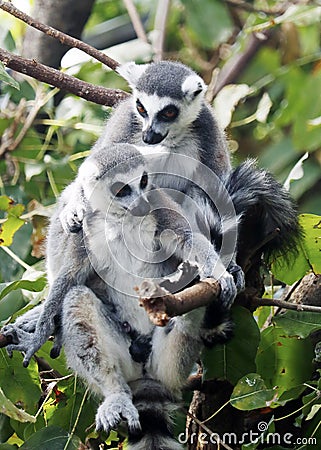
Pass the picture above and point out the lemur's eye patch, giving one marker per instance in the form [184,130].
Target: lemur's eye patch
[119,189]
[169,113]
[144,180]
[140,108]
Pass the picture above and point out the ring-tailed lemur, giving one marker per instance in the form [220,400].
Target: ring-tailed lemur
[131,232]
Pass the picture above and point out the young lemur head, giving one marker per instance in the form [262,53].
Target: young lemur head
[116,181]
[168,97]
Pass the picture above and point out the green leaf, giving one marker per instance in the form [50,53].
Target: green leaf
[20,385]
[251,393]
[13,222]
[6,78]
[10,305]
[313,412]
[8,447]
[70,408]
[298,323]
[236,358]
[5,428]
[29,285]
[209,29]
[284,361]
[309,250]
[9,409]
[51,438]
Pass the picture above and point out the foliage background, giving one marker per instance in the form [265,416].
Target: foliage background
[272,111]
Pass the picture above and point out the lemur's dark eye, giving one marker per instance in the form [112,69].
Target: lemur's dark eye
[144,180]
[169,113]
[119,189]
[140,108]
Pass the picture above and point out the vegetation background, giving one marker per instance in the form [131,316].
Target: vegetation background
[262,62]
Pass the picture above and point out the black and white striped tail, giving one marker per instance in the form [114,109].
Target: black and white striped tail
[155,406]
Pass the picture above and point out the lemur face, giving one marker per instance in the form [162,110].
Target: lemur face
[131,195]
[158,116]
[167,96]
[165,117]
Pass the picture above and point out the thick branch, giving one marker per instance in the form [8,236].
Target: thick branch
[62,37]
[161,305]
[91,92]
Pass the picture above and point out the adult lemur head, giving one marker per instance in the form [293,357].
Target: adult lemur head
[168,98]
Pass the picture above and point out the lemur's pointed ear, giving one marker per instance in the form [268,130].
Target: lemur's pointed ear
[192,87]
[131,72]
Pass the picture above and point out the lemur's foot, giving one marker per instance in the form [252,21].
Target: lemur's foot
[23,341]
[113,410]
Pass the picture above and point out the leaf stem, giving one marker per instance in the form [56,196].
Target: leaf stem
[16,258]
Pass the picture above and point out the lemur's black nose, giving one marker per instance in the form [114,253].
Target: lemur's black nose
[150,137]
[141,208]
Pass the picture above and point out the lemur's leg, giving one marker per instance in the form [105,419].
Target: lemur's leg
[98,352]
[175,349]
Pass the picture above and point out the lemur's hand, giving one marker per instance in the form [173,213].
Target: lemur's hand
[71,216]
[228,289]
[238,275]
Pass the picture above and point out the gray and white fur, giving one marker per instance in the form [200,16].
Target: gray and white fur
[167,107]
[107,336]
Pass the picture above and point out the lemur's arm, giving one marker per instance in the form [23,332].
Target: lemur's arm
[71,216]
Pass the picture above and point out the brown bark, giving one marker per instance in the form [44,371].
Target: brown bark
[91,92]
[50,45]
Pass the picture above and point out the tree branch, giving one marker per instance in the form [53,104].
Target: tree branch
[88,91]
[161,305]
[256,302]
[62,37]
[231,71]
[160,26]
[134,17]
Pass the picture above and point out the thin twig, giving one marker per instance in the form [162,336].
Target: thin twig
[136,21]
[160,27]
[233,68]
[88,91]
[59,35]
[285,305]
[209,432]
